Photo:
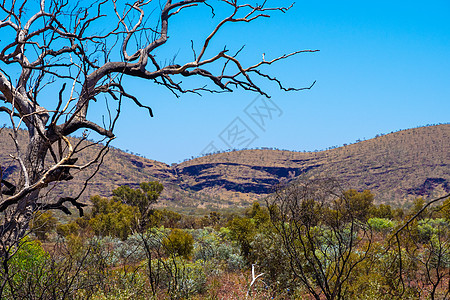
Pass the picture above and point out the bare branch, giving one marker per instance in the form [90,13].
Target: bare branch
[411,219]
[57,43]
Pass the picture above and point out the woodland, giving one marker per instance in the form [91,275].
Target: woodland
[309,240]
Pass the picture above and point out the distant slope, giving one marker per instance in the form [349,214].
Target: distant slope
[397,167]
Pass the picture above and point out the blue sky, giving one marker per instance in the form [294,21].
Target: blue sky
[382,66]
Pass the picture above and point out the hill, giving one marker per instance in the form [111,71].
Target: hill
[396,167]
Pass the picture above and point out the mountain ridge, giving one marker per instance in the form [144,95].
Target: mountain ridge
[396,167]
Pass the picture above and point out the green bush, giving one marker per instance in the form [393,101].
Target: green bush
[427,228]
[67,229]
[110,217]
[42,224]
[29,256]
[179,278]
[179,242]
[445,210]
[358,204]
[381,211]
[381,224]
[27,270]
[212,246]
[141,198]
[121,286]
[243,230]
[271,257]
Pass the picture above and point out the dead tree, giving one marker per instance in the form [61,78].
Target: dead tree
[58,56]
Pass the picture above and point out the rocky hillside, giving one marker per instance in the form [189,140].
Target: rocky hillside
[397,167]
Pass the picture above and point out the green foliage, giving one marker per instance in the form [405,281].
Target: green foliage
[214,219]
[180,279]
[269,253]
[42,224]
[427,228]
[358,204]
[382,211]
[381,224]
[128,210]
[259,214]
[398,213]
[329,246]
[68,229]
[121,286]
[27,270]
[142,198]
[377,276]
[29,256]
[243,230]
[445,210]
[166,218]
[110,217]
[75,245]
[214,247]
[418,204]
[179,242]
[318,229]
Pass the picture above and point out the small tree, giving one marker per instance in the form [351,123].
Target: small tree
[111,217]
[358,204]
[142,198]
[42,224]
[127,211]
[243,231]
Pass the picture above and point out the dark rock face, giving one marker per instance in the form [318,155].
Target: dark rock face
[429,185]
[259,187]
[138,164]
[203,176]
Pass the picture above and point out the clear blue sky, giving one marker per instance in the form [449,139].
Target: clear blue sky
[382,66]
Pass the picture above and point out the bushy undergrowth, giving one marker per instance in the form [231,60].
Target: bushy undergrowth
[299,255]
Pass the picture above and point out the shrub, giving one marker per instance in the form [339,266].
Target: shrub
[42,224]
[357,203]
[29,256]
[179,242]
[211,247]
[121,286]
[67,229]
[243,230]
[27,271]
[380,224]
[110,217]
[427,228]
[272,259]
[179,278]
[142,198]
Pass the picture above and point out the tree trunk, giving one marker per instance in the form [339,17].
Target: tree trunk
[17,217]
